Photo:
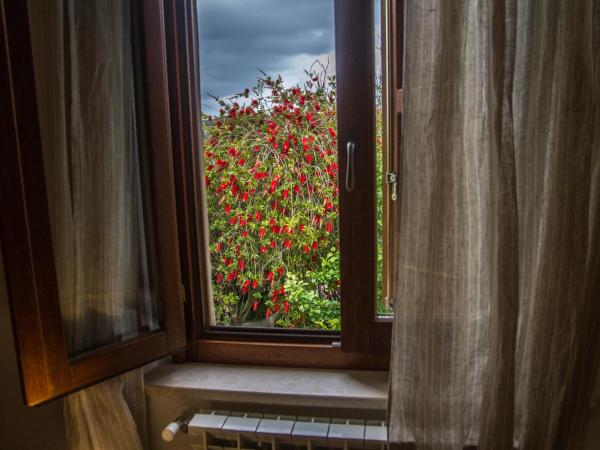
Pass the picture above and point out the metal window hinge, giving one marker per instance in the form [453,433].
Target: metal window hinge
[391,178]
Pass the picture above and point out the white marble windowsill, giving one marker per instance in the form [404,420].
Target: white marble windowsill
[366,390]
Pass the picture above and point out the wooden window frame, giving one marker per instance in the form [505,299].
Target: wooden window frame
[47,371]
[393,48]
[365,337]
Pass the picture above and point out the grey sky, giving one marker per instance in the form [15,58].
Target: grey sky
[238,37]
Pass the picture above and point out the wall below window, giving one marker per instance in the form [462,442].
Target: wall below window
[22,427]
[266,390]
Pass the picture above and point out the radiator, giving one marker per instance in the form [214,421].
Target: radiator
[224,430]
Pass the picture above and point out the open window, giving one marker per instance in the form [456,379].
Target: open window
[291,160]
[87,206]
[138,220]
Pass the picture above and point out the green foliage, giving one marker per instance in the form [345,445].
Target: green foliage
[314,298]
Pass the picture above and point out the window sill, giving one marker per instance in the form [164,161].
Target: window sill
[350,389]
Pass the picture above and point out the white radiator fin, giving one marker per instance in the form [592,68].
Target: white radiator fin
[220,430]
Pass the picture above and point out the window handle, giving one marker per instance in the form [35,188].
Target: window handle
[350,149]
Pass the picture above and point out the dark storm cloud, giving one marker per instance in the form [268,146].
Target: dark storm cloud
[238,37]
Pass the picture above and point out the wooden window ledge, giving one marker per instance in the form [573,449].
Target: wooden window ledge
[350,389]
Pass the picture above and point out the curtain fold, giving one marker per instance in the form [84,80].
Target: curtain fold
[85,84]
[100,417]
[498,266]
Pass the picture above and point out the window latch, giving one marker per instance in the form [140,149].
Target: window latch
[392,180]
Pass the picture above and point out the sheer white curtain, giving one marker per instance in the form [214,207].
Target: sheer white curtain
[499,253]
[84,64]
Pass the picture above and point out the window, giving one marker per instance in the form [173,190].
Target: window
[91,255]
[160,253]
[258,161]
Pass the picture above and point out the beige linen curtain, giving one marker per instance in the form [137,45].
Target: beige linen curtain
[84,67]
[496,321]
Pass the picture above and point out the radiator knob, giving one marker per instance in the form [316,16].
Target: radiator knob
[169,432]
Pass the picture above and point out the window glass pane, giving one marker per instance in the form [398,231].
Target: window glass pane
[270,155]
[85,81]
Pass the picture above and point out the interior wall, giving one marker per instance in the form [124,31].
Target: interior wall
[22,427]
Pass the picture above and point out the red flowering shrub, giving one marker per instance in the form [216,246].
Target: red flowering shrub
[272,190]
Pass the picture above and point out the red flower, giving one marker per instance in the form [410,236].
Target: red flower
[219,279]
[300,228]
[258,215]
[227,208]
[276,308]
[329,227]
[254,284]
[231,276]
[241,264]
[296,189]
[272,244]
[332,132]
[261,232]
[287,243]
[314,245]
[244,290]
[233,220]
[260,175]
[305,249]
[269,276]
[302,178]
[263,249]
[227,261]
[268,313]
[242,222]
[285,194]
[308,158]
[280,271]
[244,233]
[245,197]
[218,247]
[286,306]
[254,305]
